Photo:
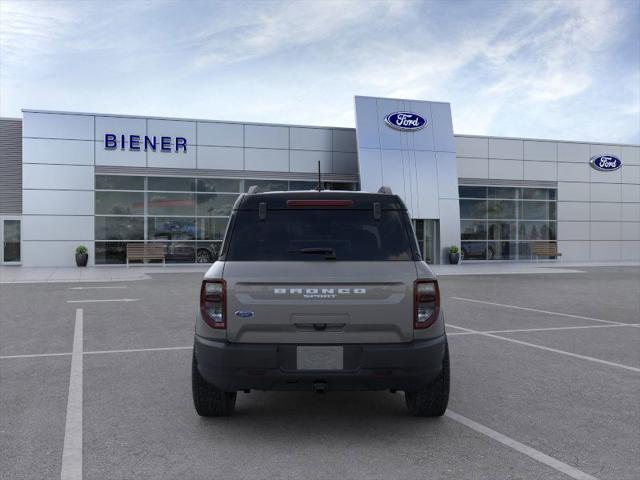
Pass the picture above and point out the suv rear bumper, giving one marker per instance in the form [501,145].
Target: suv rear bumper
[397,366]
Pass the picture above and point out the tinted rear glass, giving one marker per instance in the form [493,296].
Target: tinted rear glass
[354,235]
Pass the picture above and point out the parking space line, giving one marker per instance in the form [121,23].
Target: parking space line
[72,448]
[158,349]
[547,329]
[34,355]
[548,349]
[105,300]
[520,447]
[560,314]
[95,288]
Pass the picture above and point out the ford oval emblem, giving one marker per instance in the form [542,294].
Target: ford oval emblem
[244,314]
[405,121]
[605,163]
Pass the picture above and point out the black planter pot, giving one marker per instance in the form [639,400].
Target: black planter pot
[454,258]
[82,259]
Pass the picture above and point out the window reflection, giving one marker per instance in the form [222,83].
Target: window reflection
[501,223]
[187,215]
[171,228]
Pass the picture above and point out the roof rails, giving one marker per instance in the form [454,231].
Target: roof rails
[385,190]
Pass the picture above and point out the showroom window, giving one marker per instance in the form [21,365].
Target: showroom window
[187,216]
[502,223]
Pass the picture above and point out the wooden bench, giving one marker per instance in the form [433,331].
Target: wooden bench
[545,249]
[142,252]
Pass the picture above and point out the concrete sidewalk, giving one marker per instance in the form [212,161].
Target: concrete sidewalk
[524,268]
[16,274]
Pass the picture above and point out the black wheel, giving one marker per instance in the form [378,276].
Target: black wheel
[432,400]
[204,256]
[208,400]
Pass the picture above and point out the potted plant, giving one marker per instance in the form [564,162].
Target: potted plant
[454,255]
[82,256]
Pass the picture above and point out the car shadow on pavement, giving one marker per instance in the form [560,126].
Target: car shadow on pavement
[287,413]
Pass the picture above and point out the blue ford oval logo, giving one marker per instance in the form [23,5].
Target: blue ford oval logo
[605,163]
[405,121]
[244,314]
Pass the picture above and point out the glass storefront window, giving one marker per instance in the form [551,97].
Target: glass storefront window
[267,185]
[207,252]
[119,182]
[171,228]
[473,230]
[501,192]
[473,209]
[210,205]
[119,228]
[187,215]
[214,185]
[472,192]
[211,228]
[537,231]
[501,251]
[108,253]
[501,223]
[501,209]
[171,204]
[501,230]
[176,184]
[119,203]
[474,250]
[295,185]
[178,250]
[538,194]
[532,210]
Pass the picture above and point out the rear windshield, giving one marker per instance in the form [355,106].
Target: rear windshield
[320,235]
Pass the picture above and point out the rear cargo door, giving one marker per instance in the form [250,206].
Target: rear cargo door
[319,302]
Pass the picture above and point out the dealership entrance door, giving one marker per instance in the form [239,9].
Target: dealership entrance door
[10,234]
[428,235]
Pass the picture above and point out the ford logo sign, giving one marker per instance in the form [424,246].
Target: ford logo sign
[605,163]
[244,314]
[405,121]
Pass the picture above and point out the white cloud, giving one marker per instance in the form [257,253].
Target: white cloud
[501,65]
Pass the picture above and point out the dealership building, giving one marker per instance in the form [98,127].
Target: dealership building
[111,182]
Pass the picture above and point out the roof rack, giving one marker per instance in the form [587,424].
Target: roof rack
[386,190]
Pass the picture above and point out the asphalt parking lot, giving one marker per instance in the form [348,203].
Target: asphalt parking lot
[95,381]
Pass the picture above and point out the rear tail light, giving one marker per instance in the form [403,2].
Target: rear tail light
[213,303]
[426,303]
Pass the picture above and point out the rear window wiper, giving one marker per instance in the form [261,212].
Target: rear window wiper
[329,253]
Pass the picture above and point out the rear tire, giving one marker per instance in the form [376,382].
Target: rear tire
[432,400]
[209,400]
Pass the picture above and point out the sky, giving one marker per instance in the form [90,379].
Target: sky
[541,69]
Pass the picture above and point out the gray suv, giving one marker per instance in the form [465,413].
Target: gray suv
[318,291]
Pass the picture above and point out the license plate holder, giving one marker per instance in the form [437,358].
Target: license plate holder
[310,357]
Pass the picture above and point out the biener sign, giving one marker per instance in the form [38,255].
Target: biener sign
[139,142]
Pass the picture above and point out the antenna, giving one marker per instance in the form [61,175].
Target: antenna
[319,178]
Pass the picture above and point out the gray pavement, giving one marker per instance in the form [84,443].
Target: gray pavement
[139,422]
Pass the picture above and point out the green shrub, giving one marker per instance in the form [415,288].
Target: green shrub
[81,250]
[453,249]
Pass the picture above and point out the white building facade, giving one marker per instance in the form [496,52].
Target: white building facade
[105,181]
